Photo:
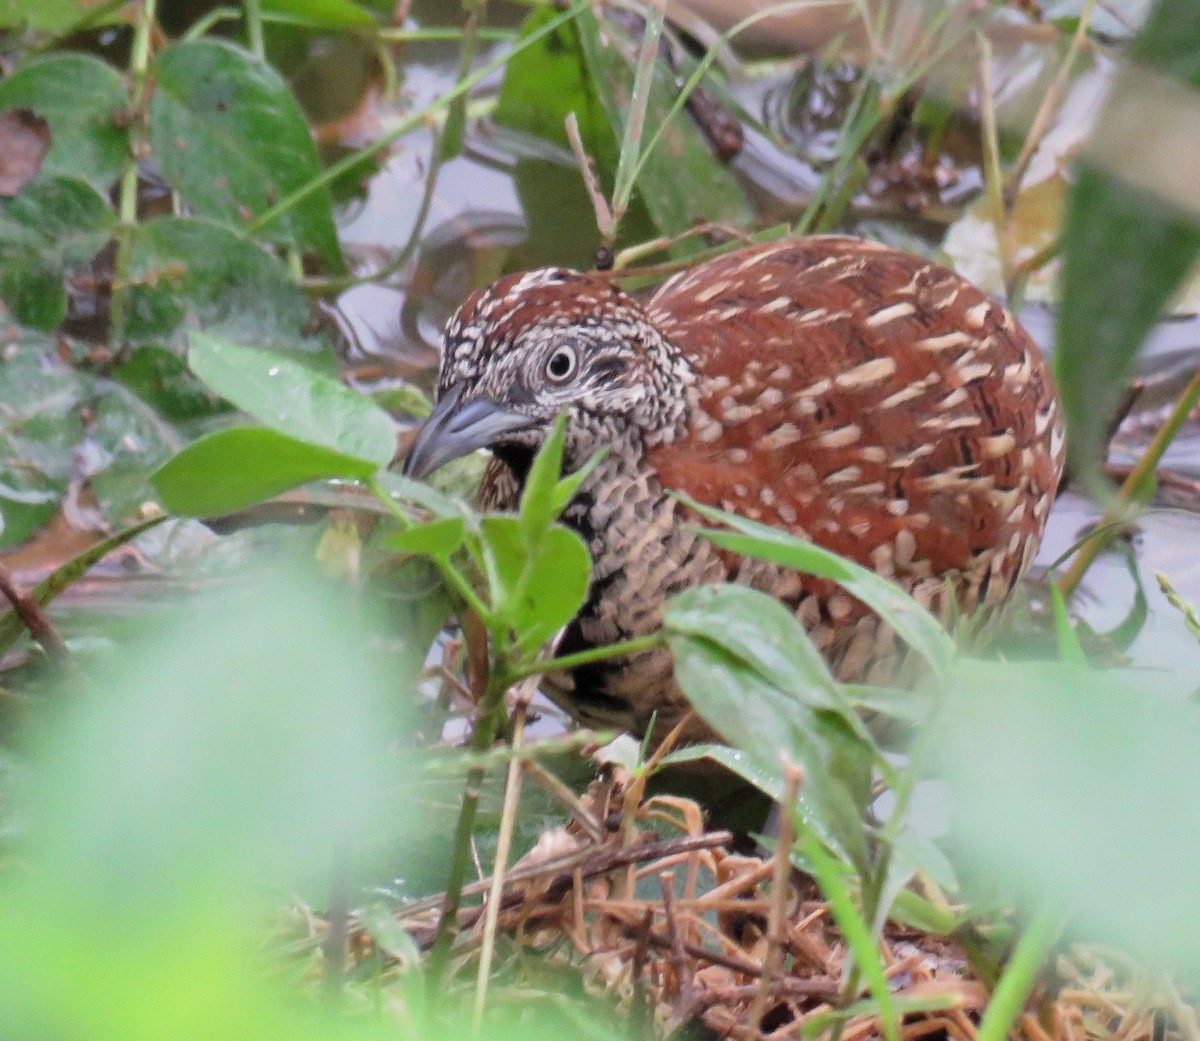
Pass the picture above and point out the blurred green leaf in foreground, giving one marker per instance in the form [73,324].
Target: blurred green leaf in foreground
[1083,789]
[239,754]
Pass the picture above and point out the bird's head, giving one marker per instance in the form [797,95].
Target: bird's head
[518,353]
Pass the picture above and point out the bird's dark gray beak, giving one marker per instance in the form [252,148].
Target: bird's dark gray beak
[453,430]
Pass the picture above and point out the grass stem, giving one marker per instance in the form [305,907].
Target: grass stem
[1133,491]
[1015,983]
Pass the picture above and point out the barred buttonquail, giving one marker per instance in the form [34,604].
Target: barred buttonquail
[853,395]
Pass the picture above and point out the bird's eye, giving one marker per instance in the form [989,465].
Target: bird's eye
[561,365]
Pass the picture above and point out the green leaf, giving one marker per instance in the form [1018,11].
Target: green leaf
[321,14]
[538,590]
[566,489]
[767,725]
[424,495]
[682,182]
[916,626]
[65,575]
[855,929]
[48,15]
[238,753]
[189,271]
[1125,248]
[162,379]
[231,139]
[537,499]
[126,443]
[1069,649]
[51,227]
[760,631]
[236,468]
[1082,787]
[81,98]
[438,539]
[294,400]
[545,82]
[40,429]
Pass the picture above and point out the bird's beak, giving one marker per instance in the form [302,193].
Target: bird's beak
[453,430]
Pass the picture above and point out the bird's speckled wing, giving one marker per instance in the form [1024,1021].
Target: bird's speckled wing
[875,403]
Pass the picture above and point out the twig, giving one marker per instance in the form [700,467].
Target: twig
[587,170]
[639,1013]
[557,790]
[683,976]
[589,863]
[512,796]
[40,627]
[139,96]
[779,889]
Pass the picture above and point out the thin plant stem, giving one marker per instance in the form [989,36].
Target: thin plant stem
[139,68]
[860,941]
[1048,106]
[1015,983]
[635,124]
[1132,491]
[487,726]
[777,913]
[254,27]
[409,124]
[456,115]
[573,661]
[436,34]
[993,178]
[512,798]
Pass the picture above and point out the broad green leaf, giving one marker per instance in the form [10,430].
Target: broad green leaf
[397,942]
[322,14]
[126,443]
[239,753]
[50,228]
[161,378]
[48,15]
[231,139]
[540,589]
[1128,239]
[41,428]
[294,400]
[537,511]
[916,626]
[760,631]
[236,468]
[422,494]
[767,726]
[1083,787]
[682,183]
[189,271]
[439,538]
[81,98]
[548,80]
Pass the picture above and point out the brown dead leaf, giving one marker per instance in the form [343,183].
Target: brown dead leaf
[24,140]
